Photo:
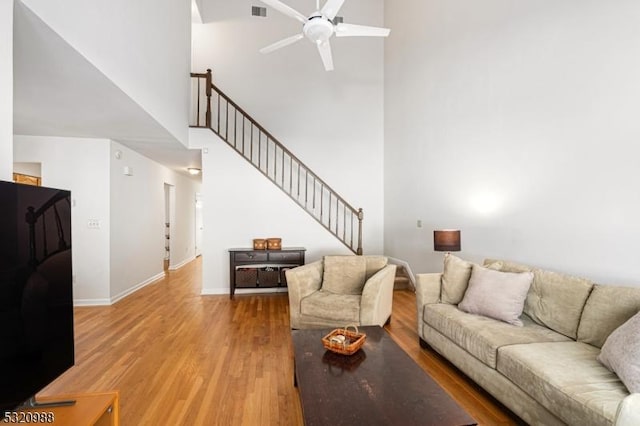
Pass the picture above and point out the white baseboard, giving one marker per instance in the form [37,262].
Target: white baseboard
[219,291]
[122,295]
[181,264]
[137,287]
[91,302]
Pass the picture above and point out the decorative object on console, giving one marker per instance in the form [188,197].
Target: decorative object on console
[259,244]
[446,240]
[274,243]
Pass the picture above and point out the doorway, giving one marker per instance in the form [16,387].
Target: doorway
[199,224]
[169,194]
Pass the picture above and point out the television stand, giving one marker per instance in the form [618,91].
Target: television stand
[90,409]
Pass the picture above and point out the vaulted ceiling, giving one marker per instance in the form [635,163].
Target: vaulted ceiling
[58,92]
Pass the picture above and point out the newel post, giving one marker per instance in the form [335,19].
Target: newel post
[360,217]
[208,92]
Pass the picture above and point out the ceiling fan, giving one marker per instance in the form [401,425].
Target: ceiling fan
[319,27]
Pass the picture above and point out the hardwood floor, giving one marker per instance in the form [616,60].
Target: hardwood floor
[179,358]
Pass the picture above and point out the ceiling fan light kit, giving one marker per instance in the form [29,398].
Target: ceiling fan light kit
[319,28]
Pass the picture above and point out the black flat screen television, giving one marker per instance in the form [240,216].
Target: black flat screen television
[36,302]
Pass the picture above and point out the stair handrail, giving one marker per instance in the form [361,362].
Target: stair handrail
[359,213]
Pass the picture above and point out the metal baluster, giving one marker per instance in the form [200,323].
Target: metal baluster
[198,104]
[290,175]
[344,221]
[235,125]
[218,113]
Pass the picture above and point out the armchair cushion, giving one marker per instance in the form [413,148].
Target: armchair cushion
[344,274]
[341,307]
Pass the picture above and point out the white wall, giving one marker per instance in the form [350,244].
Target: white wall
[137,220]
[332,121]
[151,37]
[29,169]
[240,204]
[81,166]
[516,122]
[6,89]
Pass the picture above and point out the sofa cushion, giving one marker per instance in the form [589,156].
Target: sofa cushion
[495,294]
[507,265]
[621,353]
[557,300]
[344,274]
[339,307]
[566,378]
[607,308]
[482,336]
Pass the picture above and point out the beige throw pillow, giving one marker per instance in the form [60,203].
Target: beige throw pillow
[497,295]
[344,274]
[621,353]
[455,279]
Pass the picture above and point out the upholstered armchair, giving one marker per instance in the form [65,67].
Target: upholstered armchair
[341,290]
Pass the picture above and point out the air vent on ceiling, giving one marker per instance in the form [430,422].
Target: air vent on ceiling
[258,11]
[338,20]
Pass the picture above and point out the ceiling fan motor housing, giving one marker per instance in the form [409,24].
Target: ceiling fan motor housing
[318,29]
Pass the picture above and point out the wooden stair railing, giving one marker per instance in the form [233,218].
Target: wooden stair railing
[215,110]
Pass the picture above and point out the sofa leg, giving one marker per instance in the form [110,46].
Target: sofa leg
[388,321]
[423,344]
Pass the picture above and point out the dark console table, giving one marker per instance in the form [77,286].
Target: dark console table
[250,268]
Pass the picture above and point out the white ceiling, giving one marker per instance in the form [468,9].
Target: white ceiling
[57,92]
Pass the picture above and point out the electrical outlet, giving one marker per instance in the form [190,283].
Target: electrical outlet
[419,223]
[93,224]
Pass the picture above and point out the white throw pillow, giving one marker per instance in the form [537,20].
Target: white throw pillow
[455,278]
[497,295]
[621,353]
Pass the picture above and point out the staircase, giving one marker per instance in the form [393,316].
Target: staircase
[402,280]
[216,111]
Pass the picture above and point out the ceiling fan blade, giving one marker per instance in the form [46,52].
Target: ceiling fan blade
[286,10]
[282,43]
[331,8]
[351,30]
[325,53]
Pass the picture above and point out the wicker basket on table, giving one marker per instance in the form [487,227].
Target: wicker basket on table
[344,341]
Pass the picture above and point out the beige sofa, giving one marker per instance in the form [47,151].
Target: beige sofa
[546,371]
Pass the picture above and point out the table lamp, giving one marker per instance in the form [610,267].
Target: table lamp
[446,240]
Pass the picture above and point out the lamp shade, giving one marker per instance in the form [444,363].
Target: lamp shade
[446,240]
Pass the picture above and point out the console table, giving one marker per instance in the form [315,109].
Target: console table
[250,268]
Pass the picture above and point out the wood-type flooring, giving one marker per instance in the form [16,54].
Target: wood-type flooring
[180,358]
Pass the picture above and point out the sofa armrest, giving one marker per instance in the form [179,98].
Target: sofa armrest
[629,411]
[301,282]
[377,297]
[428,288]
[427,292]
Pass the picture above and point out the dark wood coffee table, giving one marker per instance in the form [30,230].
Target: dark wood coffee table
[378,385]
